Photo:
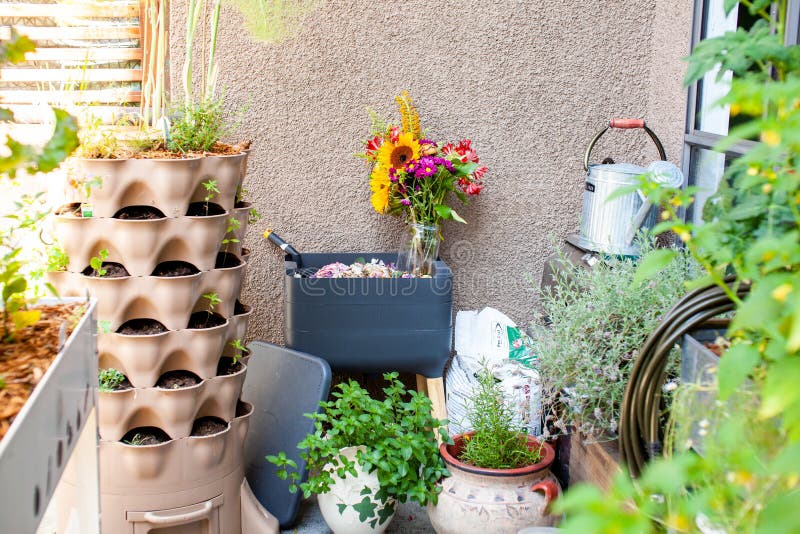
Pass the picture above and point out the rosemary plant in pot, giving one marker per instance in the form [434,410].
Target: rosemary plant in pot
[413,176]
[366,455]
[500,476]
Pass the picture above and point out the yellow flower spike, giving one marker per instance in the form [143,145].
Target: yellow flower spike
[676,202]
[735,109]
[752,170]
[770,174]
[685,236]
[766,189]
[771,137]
[762,347]
[782,291]
[678,522]
[665,215]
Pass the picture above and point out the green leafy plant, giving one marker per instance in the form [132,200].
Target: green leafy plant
[96,263]
[497,442]
[109,379]
[399,439]
[199,127]
[233,225]
[212,300]
[253,216]
[137,440]
[57,259]
[211,192]
[239,348]
[598,319]
[747,480]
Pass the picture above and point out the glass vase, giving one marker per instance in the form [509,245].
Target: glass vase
[419,248]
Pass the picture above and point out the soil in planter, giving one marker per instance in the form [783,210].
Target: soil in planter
[203,319]
[145,435]
[240,309]
[122,386]
[72,209]
[241,204]
[177,380]
[159,151]
[227,367]
[201,209]
[242,408]
[175,268]
[226,260]
[208,426]
[139,213]
[141,327]
[113,270]
[24,361]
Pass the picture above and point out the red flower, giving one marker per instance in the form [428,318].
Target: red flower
[447,149]
[464,149]
[374,144]
[394,133]
[474,188]
[479,172]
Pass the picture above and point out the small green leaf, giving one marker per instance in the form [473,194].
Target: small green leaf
[734,367]
[25,318]
[653,263]
[341,507]
[365,509]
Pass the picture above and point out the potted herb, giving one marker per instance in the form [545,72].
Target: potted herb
[501,480]
[367,454]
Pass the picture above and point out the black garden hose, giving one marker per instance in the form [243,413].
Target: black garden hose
[640,434]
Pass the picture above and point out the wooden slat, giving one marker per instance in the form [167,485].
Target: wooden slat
[96,10]
[42,113]
[99,96]
[85,54]
[44,33]
[70,75]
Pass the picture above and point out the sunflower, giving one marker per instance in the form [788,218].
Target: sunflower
[398,154]
[379,184]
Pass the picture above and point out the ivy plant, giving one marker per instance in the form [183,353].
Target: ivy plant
[399,439]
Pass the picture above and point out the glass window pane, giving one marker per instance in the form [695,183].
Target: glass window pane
[705,171]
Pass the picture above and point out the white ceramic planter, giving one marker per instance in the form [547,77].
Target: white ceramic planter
[167,184]
[347,492]
[140,245]
[172,410]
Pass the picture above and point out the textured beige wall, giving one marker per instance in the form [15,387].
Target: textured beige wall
[529,82]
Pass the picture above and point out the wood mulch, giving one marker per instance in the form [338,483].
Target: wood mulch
[24,362]
[160,152]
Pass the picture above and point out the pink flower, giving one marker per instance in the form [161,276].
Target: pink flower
[394,133]
[374,144]
[479,172]
[474,188]
[464,149]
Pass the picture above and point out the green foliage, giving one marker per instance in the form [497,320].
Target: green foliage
[57,259]
[212,299]
[233,225]
[253,216]
[239,348]
[96,263]
[109,379]
[599,319]
[137,440]
[199,127]
[747,478]
[399,440]
[497,442]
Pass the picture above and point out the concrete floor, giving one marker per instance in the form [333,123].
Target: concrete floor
[409,519]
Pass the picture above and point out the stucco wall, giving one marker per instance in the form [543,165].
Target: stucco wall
[529,82]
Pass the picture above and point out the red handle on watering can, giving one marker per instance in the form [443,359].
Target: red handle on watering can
[624,124]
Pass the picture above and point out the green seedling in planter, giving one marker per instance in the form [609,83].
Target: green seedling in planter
[212,299]
[240,350]
[57,259]
[137,440]
[14,284]
[96,263]
[233,225]
[497,443]
[211,191]
[253,216]
[398,436]
[109,379]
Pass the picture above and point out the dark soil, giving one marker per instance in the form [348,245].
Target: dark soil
[208,426]
[141,327]
[177,380]
[139,213]
[203,319]
[243,408]
[145,435]
[175,268]
[73,209]
[113,270]
[122,386]
[226,260]
[245,251]
[201,209]
[240,309]
[227,367]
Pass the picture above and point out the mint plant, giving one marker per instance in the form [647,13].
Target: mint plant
[399,439]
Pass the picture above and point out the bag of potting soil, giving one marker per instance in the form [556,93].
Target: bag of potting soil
[490,339]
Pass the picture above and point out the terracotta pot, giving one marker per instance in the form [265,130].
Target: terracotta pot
[168,299]
[475,500]
[172,410]
[167,184]
[140,245]
[144,358]
[348,491]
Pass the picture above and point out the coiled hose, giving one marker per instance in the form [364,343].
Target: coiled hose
[640,435]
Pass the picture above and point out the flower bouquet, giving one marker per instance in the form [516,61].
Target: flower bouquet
[413,176]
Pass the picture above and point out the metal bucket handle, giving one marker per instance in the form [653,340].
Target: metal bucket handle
[624,124]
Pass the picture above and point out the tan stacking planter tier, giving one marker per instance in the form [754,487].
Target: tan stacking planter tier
[140,245]
[169,184]
[169,300]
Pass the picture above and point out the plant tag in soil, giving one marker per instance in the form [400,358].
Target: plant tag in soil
[86,209]
[62,336]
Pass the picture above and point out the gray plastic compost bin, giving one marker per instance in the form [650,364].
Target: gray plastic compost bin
[370,324]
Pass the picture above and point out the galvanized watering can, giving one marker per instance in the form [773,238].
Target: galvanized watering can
[610,227]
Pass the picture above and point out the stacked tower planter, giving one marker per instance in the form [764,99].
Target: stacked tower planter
[181,478]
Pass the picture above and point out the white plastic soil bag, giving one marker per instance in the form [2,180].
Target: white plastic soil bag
[491,339]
